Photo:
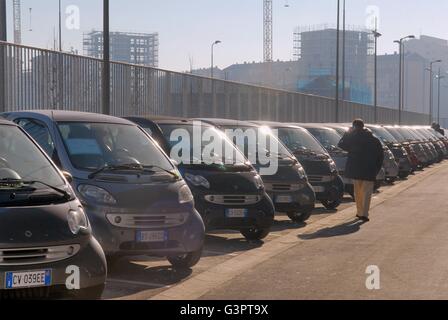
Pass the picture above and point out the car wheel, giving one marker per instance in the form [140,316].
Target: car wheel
[255,234]
[331,205]
[299,217]
[185,261]
[403,175]
[93,293]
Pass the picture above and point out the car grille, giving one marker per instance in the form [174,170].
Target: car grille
[233,199]
[147,221]
[280,187]
[319,179]
[32,256]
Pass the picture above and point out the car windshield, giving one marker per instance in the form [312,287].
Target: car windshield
[397,135]
[258,134]
[383,134]
[300,140]
[329,138]
[92,146]
[225,153]
[21,159]
[407,134]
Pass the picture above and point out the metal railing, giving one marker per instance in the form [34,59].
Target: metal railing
[43,79]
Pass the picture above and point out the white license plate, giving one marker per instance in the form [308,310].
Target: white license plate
[236,213]
[152,236]
[319,189]
[283,199]
[30,279]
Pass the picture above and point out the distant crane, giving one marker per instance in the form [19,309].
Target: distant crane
[268,31]
[17,17]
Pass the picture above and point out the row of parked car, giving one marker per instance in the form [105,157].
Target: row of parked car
[81,190]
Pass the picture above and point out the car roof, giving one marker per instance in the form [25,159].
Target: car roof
[228,122]
[165,120]
[75,116]
[314,126]
[6,122]
[277,124]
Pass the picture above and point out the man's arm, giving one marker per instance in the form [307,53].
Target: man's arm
[345,143]
[380,155]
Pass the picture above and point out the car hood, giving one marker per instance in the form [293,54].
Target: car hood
[37,225]
[222,182]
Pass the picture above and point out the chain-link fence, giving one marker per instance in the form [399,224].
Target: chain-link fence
[43,79]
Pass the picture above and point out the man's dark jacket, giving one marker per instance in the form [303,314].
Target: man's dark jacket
[365,155]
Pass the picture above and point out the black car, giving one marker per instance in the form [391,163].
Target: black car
[286,182]
[44,230]
[135,198]
[320,168]
[228,192]
[401,156]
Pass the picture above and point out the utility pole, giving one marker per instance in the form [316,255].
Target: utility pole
[60,26]
[106,58]
[3,37]
[337,61]
[343,49]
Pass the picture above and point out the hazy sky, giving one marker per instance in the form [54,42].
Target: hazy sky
[188,27]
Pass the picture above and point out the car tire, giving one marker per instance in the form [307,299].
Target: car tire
[331,204]
[255,234]
[185,261]
[93,293]
[299,217]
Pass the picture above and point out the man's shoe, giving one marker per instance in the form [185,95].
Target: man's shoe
[363,219]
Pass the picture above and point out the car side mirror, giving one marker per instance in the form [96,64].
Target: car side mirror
[67,176]
[175,162]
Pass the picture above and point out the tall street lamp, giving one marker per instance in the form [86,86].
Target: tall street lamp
[337,60]
[400,82]
[431,93]
[60,26]
[213,53]
[3,37]
[439,78]
[106,58]
[376,34]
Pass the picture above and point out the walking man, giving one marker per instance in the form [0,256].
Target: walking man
[365,160]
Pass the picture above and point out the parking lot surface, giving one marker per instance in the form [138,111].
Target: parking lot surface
[146,278]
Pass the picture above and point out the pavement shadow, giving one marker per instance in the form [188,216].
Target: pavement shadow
[216,245]
[336,231]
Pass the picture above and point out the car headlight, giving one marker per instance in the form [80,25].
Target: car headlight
[197,181]
[77,220]
[185,195]
[301,172]
[258,182]
[333,166]
[97,194]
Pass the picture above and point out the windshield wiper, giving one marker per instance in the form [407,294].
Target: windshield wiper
[150,167]
[64,193]
[129,166]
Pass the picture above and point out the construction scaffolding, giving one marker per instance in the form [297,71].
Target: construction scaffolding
[136,48]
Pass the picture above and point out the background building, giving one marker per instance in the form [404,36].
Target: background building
[315,48]
[135,48]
